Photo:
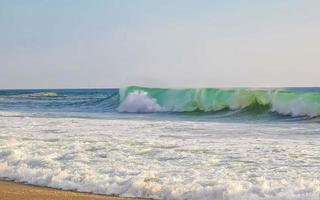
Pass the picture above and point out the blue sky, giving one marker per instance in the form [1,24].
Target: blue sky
[113,43]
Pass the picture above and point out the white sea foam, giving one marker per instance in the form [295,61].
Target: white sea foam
[296,107]
[163,159]
[139,102]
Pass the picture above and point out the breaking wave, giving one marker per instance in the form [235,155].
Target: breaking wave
[284,102]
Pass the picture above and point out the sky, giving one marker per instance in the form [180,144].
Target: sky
[159,43]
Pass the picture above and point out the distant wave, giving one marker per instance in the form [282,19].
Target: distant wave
[35,94]
[44,94]
[284,102]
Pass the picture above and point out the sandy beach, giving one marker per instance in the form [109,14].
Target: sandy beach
[15,191]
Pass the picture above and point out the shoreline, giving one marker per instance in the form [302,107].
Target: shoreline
[10,190]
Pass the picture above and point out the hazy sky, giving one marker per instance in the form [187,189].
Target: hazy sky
[164,43]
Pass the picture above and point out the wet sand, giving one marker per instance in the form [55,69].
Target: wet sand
[15,191]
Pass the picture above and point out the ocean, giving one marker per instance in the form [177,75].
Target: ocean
[210,143]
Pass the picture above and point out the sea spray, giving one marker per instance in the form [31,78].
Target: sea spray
[139,101]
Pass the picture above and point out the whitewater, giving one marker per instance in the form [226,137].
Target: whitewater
[158,143]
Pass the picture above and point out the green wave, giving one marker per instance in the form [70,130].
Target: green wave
[285,102]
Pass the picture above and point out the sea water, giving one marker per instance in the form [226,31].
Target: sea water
[165,143]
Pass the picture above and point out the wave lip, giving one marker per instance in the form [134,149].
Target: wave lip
[284,102]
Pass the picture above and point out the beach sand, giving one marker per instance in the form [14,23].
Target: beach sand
[15,191]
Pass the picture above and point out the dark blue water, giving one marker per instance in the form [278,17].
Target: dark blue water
[60,100]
